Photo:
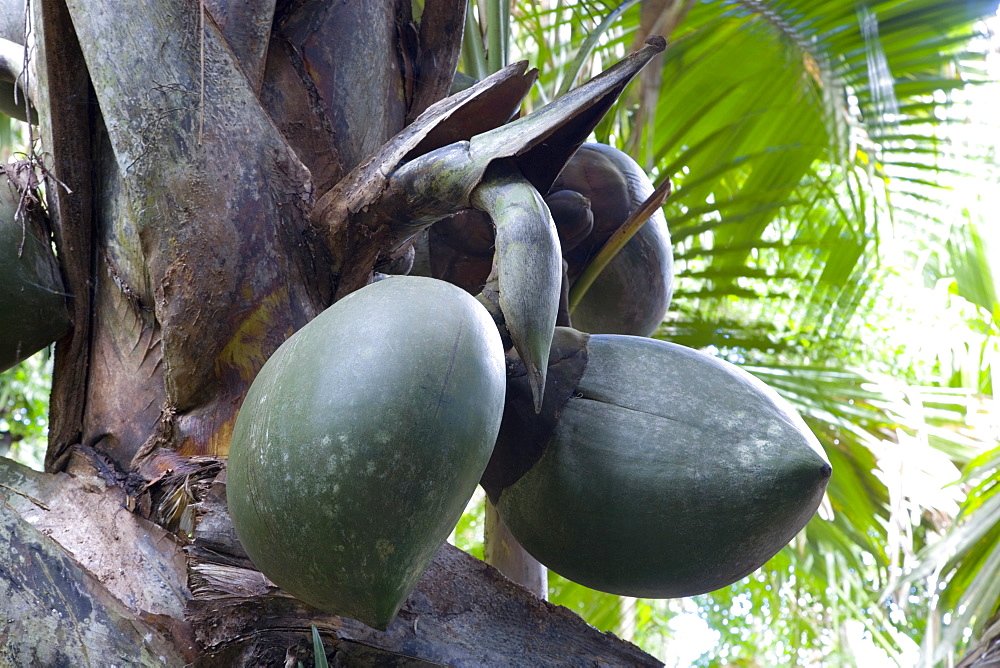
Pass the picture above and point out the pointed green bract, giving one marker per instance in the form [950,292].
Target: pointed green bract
[529,266]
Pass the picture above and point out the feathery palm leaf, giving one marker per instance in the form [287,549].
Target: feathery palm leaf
[797,135]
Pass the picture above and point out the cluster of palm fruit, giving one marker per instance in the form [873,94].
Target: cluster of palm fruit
[627,464]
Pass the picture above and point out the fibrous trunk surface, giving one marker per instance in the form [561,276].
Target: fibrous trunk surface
[191,141]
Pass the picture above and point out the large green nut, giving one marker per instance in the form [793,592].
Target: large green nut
[32,301]
[632,294]
[361,440]
[667,472]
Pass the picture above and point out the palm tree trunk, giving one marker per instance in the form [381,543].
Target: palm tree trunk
[192,139]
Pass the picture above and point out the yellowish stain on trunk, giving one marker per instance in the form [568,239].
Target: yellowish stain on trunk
[256,338]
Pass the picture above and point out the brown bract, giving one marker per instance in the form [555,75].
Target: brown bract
[420,176]
[523,433]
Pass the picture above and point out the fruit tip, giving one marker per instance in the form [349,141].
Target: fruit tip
[536,379]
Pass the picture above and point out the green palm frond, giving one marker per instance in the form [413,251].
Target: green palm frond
[963,569]
[803,136]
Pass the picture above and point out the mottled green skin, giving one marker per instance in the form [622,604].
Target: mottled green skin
[670,473]
[362,439]
[32,303]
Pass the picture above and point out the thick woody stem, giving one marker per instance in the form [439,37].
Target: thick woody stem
[502,551]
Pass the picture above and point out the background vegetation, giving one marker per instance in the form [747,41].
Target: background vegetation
[835,174]
[832,173]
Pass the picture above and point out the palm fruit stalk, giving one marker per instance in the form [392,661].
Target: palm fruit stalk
[573,216]
[632,293]
[362,439]
[459,250]
[653,470]
[32,301]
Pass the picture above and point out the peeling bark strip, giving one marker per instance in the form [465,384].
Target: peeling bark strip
[63,94]
[246,27]
[441,28]
[220,217]
[53,610]
[350,51]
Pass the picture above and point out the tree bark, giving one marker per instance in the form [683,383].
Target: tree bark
[88,581]
[63,103]
[186,143]
[83,581]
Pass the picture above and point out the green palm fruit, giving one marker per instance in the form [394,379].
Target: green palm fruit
[632,294]
[653,470]
[361,440]
[32,302]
